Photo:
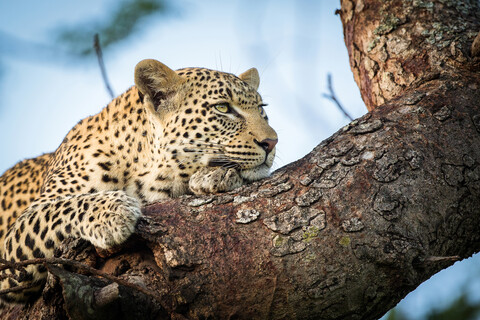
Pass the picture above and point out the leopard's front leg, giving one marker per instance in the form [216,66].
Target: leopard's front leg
[104,218]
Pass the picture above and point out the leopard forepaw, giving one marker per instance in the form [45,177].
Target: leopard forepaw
[214,180]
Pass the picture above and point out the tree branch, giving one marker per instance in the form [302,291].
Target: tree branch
[475,50]
[19,265]
[332,96]
[351,228]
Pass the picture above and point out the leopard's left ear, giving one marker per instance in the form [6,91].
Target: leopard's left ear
[251,77]
[156,80]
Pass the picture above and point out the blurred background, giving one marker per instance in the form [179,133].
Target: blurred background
[50,79]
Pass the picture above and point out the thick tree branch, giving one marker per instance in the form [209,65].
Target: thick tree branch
[346,231]
[398,45]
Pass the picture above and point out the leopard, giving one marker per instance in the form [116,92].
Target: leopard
[191,131]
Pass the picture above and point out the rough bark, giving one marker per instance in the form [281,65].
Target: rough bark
[343,233]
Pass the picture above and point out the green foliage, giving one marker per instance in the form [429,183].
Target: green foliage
[122,22]
[395,314]
[461,309]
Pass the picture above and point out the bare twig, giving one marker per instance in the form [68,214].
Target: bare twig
[75,264]
[19,265]
[16,289]
[98,51]
[7,275]
[447,258]
[333,97]
[475,50]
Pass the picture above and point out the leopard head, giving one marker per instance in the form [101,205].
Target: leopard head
[208,118]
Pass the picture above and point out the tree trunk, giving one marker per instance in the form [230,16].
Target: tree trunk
[343,233]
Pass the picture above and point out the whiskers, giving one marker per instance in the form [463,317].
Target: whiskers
[218,154]
[224,163]
[210,153]
[201,145]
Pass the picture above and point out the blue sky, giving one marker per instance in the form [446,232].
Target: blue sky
[293,44]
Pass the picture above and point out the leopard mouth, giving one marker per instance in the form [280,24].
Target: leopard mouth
[257,172]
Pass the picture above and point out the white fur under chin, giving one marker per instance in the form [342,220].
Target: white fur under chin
[256,173]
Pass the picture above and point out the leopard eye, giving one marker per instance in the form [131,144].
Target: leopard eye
[223,107]
[262,110]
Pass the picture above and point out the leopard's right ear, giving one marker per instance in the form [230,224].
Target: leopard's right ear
[156,80]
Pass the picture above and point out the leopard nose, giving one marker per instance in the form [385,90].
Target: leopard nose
[267,144]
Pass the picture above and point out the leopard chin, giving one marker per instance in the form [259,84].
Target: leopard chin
[257,173]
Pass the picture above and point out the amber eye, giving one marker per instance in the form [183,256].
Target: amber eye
[262,110]
[223,107]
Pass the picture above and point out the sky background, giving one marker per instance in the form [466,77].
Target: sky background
[44,91]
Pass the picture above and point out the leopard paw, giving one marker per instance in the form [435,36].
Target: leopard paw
[209,180]
[114,222]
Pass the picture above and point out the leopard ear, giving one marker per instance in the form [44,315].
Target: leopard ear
[251,77]
[156,80]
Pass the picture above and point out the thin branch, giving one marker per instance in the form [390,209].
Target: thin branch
[333,97]
[475,49]
[75,264]
[437,259]
[16,289]
[98,51]
[19,265]
[8,275]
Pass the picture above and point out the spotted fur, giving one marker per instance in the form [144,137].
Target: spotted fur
[175,132]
